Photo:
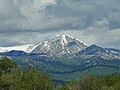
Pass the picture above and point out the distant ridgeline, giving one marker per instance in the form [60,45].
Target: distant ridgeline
[66,58]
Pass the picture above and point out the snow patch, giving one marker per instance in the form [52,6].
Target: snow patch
[26,48]
[63,40]
[46,43]
[82,42]
[113,52]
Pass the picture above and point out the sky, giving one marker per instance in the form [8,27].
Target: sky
[33,21]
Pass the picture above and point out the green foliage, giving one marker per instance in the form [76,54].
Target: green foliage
[95,83]
[18,79]
[14,78]
[6,65]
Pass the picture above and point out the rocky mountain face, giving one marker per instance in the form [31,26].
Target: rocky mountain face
[60,45]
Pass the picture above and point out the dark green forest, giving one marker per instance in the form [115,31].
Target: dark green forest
[14,77]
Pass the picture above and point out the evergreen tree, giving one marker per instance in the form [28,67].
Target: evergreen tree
[14,78]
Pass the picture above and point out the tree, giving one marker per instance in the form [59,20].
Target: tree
[14,78]
[7,65]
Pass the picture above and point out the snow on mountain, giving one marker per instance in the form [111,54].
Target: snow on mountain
[63,40]
[26,48]
[60,45]
[92,50]
[63,45]
[95,50]
[113,50]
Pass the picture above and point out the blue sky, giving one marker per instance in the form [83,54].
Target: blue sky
[33,21]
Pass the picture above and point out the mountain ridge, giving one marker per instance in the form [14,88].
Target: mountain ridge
[60,45]
[64,45]
[26,48]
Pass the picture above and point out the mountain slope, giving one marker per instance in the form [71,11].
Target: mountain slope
[113,50]
[26,48]
[98,51]
[14,53]
[60,45]
[92,50]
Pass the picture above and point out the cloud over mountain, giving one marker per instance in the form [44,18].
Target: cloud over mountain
[93,18]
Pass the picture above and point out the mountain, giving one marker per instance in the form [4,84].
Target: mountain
[98,51]
[60,45]
[18,53]
[63,46]
[26,48]
[14,53]
[113,50]
[92,50]
[54,57]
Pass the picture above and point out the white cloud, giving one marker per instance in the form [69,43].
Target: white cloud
[23,14]
[8,10]
[92,21]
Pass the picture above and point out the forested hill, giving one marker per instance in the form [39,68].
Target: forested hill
[12,77]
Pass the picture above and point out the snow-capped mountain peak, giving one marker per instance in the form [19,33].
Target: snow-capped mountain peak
[60,45]
[64,37]
[57,46]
